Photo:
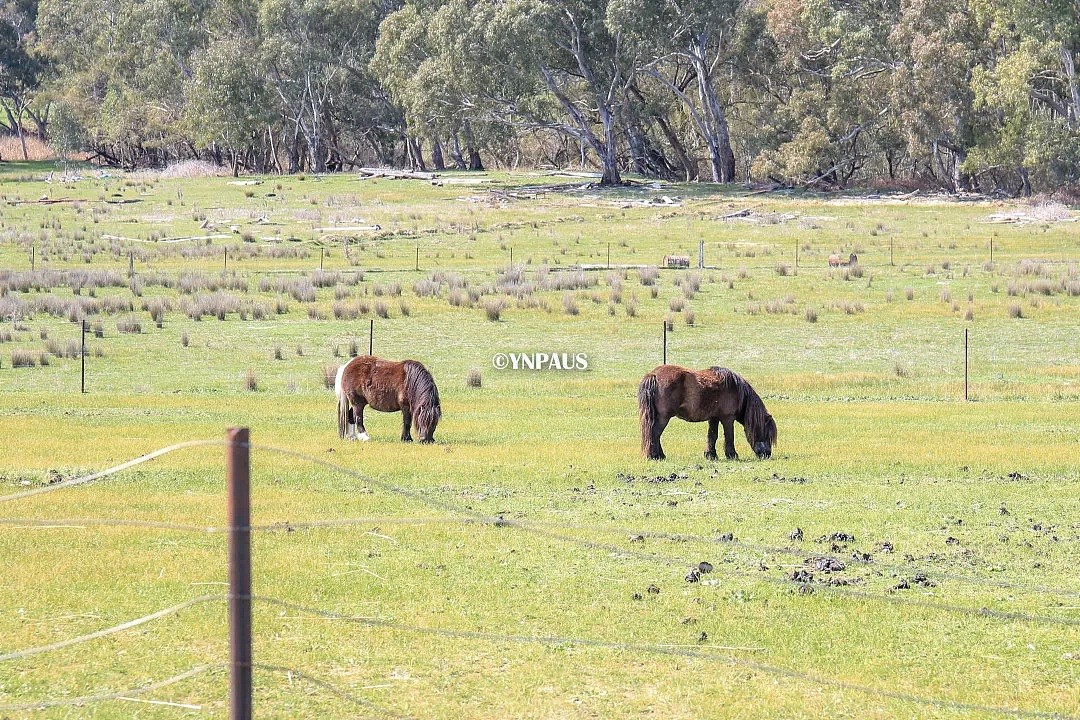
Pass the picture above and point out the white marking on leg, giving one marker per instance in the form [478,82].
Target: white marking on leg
[363,436]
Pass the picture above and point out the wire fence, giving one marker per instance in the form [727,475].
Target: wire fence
[556,531]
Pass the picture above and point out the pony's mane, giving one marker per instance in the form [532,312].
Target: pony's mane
[424,396]
[755,418]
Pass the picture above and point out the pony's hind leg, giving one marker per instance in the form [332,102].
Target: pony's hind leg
[656,450]
[357,431]
[714,431]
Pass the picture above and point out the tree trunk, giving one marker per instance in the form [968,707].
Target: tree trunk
[475,163]
[415,153]
[437,161]
[455,154]
[1068,64]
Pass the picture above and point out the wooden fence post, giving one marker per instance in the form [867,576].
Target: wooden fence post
[238,479]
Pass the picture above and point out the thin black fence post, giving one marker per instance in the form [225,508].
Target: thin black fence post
[33,259]
[226,253]
[322,254]
[417,257]
[701,254]
[965,364]
[238,478]
[511,256]
[665,342]
[371,337]
[991,251]
[82,359]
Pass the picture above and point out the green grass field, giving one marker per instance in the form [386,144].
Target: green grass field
[936,574]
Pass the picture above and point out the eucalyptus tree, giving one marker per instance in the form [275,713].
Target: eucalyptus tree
[120,68]
[701,35]
[1028,91]
[20,69]
[316,55]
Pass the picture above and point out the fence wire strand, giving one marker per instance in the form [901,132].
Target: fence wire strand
[15,655]
[666,650]
[333,689]
[102,697]
[72,482]
[501,521]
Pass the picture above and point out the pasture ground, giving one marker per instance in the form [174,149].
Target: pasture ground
[936,574]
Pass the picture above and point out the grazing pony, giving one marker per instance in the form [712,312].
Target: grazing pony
[387,386]
[718,395]
[836,260]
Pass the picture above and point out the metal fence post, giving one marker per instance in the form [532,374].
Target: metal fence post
[238,478]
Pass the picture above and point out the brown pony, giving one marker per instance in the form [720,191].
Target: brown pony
[387,386]
[717,395]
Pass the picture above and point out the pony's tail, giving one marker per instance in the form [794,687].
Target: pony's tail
[342,404]
[423,399]
[646,396]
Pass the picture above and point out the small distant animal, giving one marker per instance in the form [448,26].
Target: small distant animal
[387,386]
[677,261]
[717,394]
[837,260]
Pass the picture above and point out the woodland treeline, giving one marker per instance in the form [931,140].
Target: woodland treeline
[960,94]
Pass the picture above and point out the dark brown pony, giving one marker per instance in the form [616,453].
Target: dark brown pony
[387,386]
[718,395]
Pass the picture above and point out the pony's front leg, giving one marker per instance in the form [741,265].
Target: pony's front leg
[406,424]
[714,431]
[357,431]
[729,439]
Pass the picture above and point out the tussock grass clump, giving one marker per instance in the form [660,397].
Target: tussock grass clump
[329,376]
[325,278]
[129,324]
[569,303]
[1015,311]
[251,381]
[493,308]
[185,339]
[784,269]
[689,317]
[21,357]
[909,293]
[382,309]
[278,353]
[810,314]
[676,304]
[648,275]
[473,379]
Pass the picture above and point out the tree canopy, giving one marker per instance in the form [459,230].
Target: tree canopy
[961,94]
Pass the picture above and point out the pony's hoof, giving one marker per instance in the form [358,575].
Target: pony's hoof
[710,456]
[733,456]
[362,436]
